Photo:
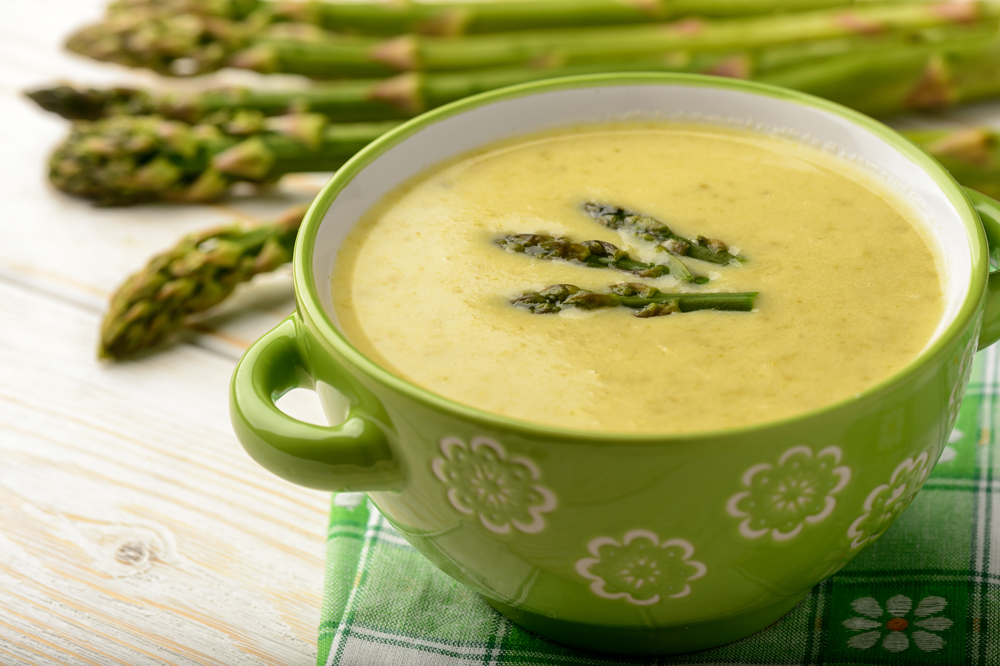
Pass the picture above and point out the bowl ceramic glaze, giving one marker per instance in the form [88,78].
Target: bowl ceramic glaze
[620,543]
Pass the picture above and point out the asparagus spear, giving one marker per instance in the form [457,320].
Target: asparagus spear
[651,229]
[889,81]
[457,18]
[202,43]
[236,10]
[124,160]
[401,96]
[453,17]
[194,275]
[114,160]
[410,93]
[593,253]
[348,100]
[649,301]
[972,155]
[181,45]
[93,103]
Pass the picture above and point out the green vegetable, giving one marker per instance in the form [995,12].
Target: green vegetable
[453,17]
[458,18]
[972,155]
[593,253]
[194,275]
[125,160]
[192,43]
[652,230]
[347,100]
[889,81]
[649,301]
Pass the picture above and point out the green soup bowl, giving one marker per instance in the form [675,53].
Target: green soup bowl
[628,543]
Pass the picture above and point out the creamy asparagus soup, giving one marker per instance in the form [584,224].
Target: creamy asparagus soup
[444,282]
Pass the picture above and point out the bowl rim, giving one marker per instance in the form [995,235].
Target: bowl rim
[308,301]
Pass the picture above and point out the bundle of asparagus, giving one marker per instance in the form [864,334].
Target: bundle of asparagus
[451,18]
[191,43]
[143,145]
[405,95]
[126,160]
[650,301]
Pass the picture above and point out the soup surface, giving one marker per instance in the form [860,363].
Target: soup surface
[849,291]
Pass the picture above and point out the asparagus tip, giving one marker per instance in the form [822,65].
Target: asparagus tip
[69,102]
[196,274]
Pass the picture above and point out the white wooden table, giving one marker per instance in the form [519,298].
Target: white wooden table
[133,528]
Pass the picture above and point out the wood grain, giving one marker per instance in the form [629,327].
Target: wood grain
[133,528]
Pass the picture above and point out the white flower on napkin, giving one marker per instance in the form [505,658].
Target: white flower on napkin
[896,625]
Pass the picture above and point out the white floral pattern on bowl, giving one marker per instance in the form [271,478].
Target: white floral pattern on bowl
[896,626]
[783,497]
[640,569]
[887,501]
[501,491]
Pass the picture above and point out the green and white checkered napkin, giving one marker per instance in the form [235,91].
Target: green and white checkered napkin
[937,568]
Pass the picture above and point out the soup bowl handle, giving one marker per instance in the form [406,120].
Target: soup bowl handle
[989,214]
[354,455]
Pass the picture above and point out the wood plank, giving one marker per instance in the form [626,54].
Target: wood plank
[133,528]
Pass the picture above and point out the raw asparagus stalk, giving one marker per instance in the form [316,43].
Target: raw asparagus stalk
[236,10]
[202,43]
[75,103]
[460,17]
[125,160]
[649,301]
[580,46]
[652,230]
[408,94]
[369,57]
[179,45]
[401,96]
[972,155]
[593,253]
[114,161]
[890,81]
[194,275]
[342,101]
